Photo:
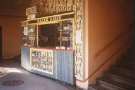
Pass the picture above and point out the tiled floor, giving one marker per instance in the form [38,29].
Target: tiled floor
[13,71]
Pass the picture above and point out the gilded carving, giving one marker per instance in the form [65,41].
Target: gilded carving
[79,55]
[50,7]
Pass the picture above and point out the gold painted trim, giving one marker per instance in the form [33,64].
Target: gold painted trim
[26,22]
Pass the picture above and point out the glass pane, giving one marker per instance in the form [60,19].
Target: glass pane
[56,35]
[29,36]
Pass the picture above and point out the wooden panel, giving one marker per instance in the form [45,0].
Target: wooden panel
[25,58]
[65,66]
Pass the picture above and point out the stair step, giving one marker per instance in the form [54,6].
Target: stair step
[123,72]
[128,62]
[110,84]
[127,66]
[97,87]
[121,79]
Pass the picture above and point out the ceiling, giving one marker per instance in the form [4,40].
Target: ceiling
[13,7]
[14,4]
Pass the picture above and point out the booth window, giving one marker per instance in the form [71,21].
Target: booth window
[54,35]
[48,35]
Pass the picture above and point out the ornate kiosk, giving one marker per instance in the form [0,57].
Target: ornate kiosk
[53,43]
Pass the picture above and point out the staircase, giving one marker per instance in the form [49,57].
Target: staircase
[120,76]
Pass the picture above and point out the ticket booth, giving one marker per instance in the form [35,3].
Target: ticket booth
[53,40]
[48,47]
